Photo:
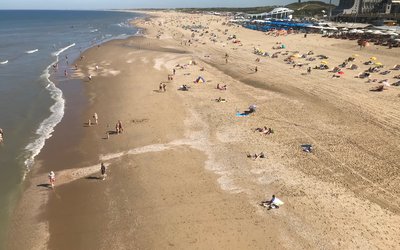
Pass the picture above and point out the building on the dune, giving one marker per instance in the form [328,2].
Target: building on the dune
[360,7]
[277,13]
[367,10]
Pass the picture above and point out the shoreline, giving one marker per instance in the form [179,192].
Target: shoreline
[178,169]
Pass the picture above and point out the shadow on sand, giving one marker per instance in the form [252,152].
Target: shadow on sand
[45,185]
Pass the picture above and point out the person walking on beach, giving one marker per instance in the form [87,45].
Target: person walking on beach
[121,129]
[160,88]
[164,87]
[118,127]
[103,171]
[95,117]
[173,71]
[90,77]
[256,69]
[309,70]
[52,178]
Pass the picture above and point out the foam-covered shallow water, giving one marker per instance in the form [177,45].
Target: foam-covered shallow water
[31,102]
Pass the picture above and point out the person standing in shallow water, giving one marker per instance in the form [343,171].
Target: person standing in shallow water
[1,135]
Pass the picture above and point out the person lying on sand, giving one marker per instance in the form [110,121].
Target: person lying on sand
[184,87]
[219,99]
[307,148]
[256,156]
[378,88]
[363,75]
[221,87]
[265,130]
[369,63]
[396,84]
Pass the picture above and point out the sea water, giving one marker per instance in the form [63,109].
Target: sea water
[31,104]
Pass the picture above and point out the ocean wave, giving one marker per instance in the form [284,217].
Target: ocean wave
[31,51]
[93,30]
[46,128]
[125,24]
[57,53]
[4,62]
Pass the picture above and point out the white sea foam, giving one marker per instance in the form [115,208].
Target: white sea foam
[46,128]
[4,62]
[57,53]
[31,51]
[93,30]
[139,32]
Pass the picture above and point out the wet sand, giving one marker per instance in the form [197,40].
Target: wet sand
[178,176]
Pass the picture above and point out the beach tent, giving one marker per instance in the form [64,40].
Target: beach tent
[200,78]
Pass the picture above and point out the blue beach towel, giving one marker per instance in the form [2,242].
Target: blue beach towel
[241,114]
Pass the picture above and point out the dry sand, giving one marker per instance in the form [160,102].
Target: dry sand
[178,176]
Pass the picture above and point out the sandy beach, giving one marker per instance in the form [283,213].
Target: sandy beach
[178,176]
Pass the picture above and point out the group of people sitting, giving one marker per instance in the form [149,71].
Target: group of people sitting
[265,130]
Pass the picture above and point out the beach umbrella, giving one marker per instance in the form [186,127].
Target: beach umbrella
[341,73]
[373,58]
